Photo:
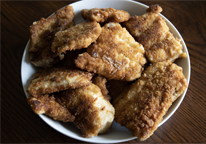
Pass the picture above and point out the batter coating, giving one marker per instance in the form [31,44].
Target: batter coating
[115,55]
[142,107]
[153,33]
[100,81]
[42,33]
[51,80]
[93,113]
[48,106]
[105,15]
[77,37]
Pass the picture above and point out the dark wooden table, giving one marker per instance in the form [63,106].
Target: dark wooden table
[20,125]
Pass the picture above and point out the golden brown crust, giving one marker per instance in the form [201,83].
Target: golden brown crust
[152,32]
[48,106]
[154,9]
[93,114]
[77,37]
[115,55]
[100,81]
[105,15]
[42,34]
[142,107]
[57,79]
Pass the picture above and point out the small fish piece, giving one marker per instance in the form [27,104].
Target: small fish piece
[93,113]
[52,80]
[77,37]
[48,106]
[115,55]
[142,107]
[105,15]
[42,33]
[152,32]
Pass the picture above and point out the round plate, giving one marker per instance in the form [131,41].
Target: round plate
[117,133]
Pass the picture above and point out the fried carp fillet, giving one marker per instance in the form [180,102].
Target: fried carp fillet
[105,15]
[142,108]
[48,106]
[100,81]
[152,32]
[77,37]
[42,33]
[51,80]
[93,113]
[115,55]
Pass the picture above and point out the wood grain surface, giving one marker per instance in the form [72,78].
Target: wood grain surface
[20,125]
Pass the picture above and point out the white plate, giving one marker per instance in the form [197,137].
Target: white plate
[117,132]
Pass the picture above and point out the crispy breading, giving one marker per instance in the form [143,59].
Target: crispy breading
[42,33]
[51,80]
[93,114]
[115,55]
[100,81]
[153,33]
[48,106]
[77,37]
[143,106]
[105,15]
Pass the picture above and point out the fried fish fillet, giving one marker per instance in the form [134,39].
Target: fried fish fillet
[42,33]
[142,108]
[77,37]
[153,33]
[115,55]
[51,80]
[93,114]
[105,15]
[48,106]
[100,81]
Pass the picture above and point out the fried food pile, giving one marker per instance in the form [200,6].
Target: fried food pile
[126,72]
